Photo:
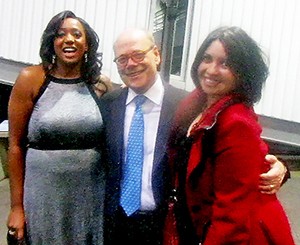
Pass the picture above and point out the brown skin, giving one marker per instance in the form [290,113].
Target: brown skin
[215,77]
[21,104]
[20,107]
[69,46]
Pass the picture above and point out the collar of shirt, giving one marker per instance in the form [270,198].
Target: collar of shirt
[155,93]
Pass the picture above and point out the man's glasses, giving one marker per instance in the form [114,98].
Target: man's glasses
[136,56]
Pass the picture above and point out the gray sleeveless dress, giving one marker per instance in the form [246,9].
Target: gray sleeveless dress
[64,176]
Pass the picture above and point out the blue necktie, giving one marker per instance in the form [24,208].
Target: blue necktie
[133,166]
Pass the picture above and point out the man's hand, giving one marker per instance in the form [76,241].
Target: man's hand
[270,182]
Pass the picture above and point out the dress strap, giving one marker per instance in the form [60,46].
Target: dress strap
[42,88]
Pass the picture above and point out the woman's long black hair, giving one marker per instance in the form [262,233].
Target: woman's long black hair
[91,69]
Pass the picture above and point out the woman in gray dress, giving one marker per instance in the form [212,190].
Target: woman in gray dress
[56,163]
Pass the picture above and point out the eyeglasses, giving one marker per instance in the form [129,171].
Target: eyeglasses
[136,56]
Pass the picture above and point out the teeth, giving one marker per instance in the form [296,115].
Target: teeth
[69,49]
[211,81]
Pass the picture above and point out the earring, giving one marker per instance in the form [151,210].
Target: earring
[53,59]
[85,57]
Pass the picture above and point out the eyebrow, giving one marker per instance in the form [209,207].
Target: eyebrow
[72,28]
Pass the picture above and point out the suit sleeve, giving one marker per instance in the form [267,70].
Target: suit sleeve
[238,162]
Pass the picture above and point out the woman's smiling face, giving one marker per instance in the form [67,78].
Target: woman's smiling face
[216,78]
[70,44]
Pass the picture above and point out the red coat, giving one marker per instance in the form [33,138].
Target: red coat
[226,159]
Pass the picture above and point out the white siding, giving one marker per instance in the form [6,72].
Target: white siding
[275,25]
[22,23]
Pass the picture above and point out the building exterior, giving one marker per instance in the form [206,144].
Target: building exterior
[274,24]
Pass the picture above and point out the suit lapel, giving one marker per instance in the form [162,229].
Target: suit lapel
[164,124]
[118,108]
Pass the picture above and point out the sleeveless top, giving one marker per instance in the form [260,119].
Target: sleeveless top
[64,173]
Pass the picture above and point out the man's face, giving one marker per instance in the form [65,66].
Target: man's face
[137,59]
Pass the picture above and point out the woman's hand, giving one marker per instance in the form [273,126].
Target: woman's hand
[271,181]
[16,222]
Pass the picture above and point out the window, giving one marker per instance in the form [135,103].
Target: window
[177,16]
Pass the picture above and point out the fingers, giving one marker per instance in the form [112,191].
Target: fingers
[269,189]
[16,223]
[275,175]
[20,233]
[12,231]
[271,159]
[16,232]
[270,182]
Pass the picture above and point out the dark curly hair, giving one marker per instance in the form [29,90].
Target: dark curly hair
[244,58]
[90,70]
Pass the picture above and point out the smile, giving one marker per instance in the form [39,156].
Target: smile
[69,50]
[134,74]
[210,82]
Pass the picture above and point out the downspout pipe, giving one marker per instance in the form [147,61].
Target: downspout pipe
[167,37]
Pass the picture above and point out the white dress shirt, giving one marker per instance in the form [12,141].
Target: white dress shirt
[151,109]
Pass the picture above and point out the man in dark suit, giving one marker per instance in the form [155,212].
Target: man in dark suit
[137,59]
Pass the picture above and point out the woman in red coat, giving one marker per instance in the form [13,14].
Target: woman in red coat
[225,152]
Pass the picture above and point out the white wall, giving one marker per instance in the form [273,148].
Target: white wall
[275,25]
[23,21]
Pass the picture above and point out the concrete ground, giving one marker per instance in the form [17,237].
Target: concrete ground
[4,208]
[289,196]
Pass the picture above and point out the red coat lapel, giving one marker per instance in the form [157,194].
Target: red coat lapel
[206,122]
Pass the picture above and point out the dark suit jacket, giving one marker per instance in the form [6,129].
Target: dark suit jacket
[113,112]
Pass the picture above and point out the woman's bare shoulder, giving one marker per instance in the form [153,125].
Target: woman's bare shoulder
[31,75]
[32,72]
[29,80]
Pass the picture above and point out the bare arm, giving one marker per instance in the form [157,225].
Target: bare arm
[19,110]
[271,181]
